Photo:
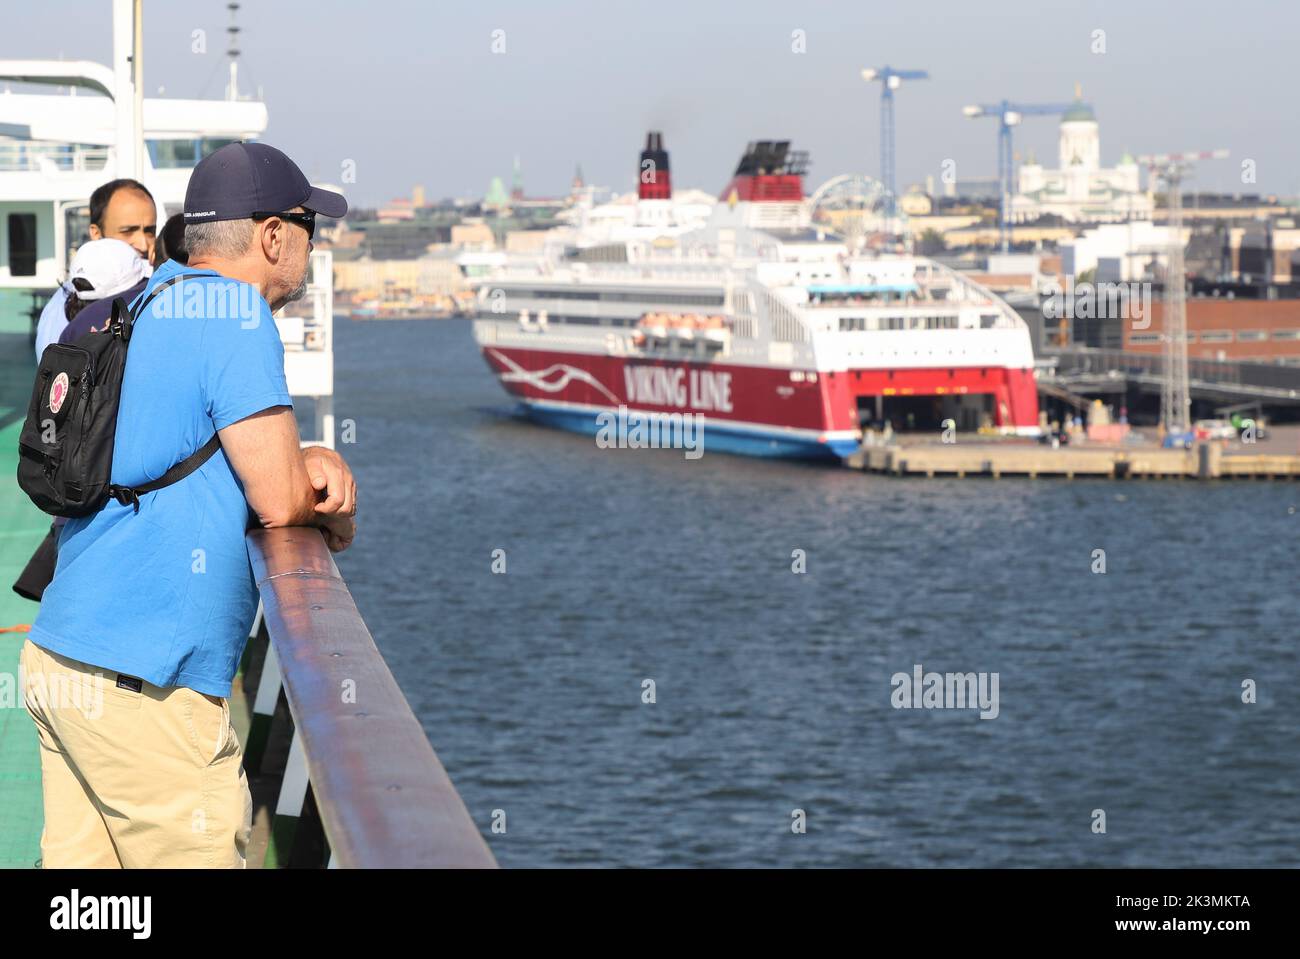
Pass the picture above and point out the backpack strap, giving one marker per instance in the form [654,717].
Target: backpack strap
[123,320]
[115,322]
[121,324]
[130,495]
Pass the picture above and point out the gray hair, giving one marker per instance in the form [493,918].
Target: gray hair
[228,239]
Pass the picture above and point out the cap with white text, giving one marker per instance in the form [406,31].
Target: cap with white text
[243,179]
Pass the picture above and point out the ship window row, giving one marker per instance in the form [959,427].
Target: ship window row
[183,154]
[1221,336]
[850,324]
[558,318]
[617,296]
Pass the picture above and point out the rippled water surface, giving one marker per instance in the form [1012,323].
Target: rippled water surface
[1120,692]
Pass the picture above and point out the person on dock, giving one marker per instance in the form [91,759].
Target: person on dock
[119,210]
[152,600]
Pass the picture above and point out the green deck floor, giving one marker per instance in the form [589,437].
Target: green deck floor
[21,527]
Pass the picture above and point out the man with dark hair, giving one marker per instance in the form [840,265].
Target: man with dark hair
[123,210]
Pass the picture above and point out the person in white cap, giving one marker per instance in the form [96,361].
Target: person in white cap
[100,270]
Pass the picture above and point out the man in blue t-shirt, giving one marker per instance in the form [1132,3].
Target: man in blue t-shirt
[150,610]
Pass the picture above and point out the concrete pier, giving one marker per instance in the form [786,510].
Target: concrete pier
[1205,461]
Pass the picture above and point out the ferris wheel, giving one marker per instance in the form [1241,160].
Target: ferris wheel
[854,207]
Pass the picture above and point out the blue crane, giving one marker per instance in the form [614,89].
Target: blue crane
[890,80]
[1009,115]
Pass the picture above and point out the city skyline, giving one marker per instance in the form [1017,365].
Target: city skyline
[584,87]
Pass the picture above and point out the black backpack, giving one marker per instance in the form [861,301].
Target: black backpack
[66,444]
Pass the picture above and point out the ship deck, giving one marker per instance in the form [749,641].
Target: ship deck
[22,526]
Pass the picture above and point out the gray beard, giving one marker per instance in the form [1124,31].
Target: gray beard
[298,293]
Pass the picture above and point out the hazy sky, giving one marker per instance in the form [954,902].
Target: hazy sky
[412,92]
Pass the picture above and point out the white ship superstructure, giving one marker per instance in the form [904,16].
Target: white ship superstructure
[57,147]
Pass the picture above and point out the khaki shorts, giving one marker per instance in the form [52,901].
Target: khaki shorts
[132,779]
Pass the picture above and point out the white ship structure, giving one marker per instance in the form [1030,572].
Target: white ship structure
[57,146]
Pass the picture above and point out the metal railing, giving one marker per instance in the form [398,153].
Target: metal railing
[30,156]
[315,311]
[1268,378]
[383,798]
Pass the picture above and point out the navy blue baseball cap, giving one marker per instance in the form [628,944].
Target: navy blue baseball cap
[241,179]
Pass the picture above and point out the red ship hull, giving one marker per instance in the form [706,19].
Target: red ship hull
[795,412]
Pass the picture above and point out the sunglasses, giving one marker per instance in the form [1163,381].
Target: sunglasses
[305,220]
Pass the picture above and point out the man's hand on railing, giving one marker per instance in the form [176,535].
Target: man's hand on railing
[332,479]
[337,495]
[339,531]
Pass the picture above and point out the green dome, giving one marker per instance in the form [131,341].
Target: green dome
[1079,112]
[496,194]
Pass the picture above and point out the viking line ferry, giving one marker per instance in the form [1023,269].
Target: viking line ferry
[787,343]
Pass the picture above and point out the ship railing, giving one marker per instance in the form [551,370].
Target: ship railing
[308,324]
[33,156]
[306,329]
[682,272]
[668,272]
[361,786]
[1271,380]
[935,277]
[875,301]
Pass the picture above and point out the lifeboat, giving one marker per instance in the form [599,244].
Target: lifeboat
[687,328]
[714,330]
[655,324]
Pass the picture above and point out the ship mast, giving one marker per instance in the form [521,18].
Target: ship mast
[128,86]
[232,51]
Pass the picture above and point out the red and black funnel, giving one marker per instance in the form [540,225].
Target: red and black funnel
[653,181]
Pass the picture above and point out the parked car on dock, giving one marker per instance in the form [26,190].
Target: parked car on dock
[1214,430]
